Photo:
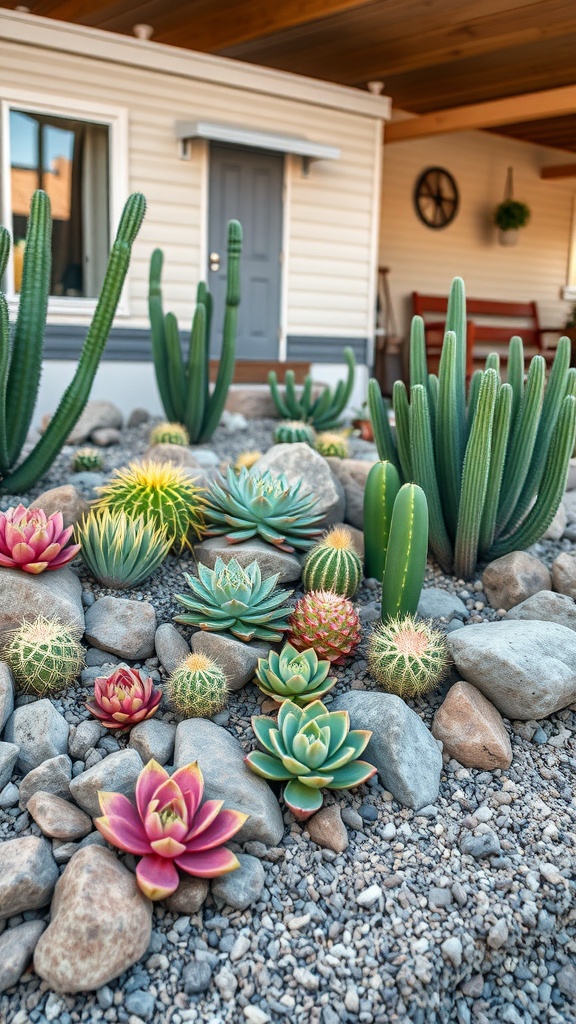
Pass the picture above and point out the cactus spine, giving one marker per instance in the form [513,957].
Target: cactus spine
[407,657]
[406,554]
[21,362]
[44,655]
[382,486]
[333,565]
[184,386]
[198,688]
[492,470]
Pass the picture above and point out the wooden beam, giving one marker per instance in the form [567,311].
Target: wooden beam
[511,110]
[559,171]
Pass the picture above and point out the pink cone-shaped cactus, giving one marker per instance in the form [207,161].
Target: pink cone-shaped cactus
[32,541]
[169,829]
[124,698]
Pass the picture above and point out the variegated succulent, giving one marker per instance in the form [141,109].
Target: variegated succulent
[294,675]
[265,505]
[310,749]
[230,598]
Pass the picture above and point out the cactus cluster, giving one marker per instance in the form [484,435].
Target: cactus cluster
[408,657]
[294,431]
[87,460]
[21,348]
[493,459]
[333,444]
[169,433]
[184,386]
[197,687]
[326,622]
[323,412]
[44,655]
[121,551]
[333,564]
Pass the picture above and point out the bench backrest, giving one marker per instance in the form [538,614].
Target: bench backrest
[255,371]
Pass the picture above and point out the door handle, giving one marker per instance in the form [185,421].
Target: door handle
[214,260]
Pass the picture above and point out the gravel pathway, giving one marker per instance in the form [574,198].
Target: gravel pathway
[462,912]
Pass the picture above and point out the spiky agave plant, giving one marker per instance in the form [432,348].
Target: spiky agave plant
[229,598]
[333,564]
[169,433]
[161,492]
[294,675]
[44,655]
[264,505]
[408,657]
[120,551]
[198,687]
[310,749]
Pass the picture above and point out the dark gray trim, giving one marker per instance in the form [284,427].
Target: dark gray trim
[325,350]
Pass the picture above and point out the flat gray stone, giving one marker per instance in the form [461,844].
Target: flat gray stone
[83,737]
[153,739]
[8,757]
[238,661]
[241,888]
[28,874]
[300,462]
[228,778]
[16,948]
[121,626]
[57,818]
[25,596]
[97,413]
[117,773]
[171,647]
[52,776]
[402,749]
[189,896]
[269,558]
[435,603]
[526,668]
[546,606]
[39,730]
[6,694]
[514,577]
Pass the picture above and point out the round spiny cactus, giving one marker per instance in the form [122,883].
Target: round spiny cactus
[326,622]
[246,460]
[44,655]
[332,443]
[408,657]
[333,564]
[292,431]
[197,688]
[161,492]
[169,433]
[87,460]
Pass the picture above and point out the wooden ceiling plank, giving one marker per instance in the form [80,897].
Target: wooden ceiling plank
[559,171]
[511,110]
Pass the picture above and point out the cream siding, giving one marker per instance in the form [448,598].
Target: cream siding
[329,263]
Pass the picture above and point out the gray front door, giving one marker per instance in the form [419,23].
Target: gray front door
[246,185]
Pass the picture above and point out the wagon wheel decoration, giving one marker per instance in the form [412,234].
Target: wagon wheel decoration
[436,197]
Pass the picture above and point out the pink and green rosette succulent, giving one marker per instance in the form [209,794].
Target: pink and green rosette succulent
[32,541]
[310,749]
[170,828]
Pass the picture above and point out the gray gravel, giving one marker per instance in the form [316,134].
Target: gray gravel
[461,913]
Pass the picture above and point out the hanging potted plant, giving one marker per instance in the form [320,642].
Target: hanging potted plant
[510,215]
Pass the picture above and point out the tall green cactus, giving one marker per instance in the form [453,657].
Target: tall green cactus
[21,359]
[406,553]
[493,470]
[325,411]
[382,486]
[184,386]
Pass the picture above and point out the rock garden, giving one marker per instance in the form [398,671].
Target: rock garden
[287,716]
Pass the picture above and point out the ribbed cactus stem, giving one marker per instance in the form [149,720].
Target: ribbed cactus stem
[198,687]
[475,478]
[449,450]
[406,556]
[500,435]
[418,363]
[382,486]
[383,436]
[4,367]
[197,368]
[227,362]
[425,475]
[402,416]
[158,335]
[456,322]
[522,444]
[333,565]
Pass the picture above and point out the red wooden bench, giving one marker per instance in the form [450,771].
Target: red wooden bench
[490,325]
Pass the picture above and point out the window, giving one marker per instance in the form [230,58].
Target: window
[78,158]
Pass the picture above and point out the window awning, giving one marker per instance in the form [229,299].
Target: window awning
[238,136]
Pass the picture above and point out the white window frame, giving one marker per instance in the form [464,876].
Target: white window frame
[116,120]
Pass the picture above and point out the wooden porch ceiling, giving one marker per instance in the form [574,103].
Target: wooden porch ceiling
[431,55]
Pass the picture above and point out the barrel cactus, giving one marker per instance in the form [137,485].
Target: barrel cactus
[44,655]
[328,623]
[87,460]
[292,431]
[169,433]
[331,443]
[407,656]
[197,687]
[333,564]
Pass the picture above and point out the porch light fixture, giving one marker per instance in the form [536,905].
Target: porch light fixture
[237,136]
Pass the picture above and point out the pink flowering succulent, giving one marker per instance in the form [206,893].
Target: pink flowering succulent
[32,541]
[124,698]
[170,828]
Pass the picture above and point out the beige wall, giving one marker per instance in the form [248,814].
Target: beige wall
[425,260]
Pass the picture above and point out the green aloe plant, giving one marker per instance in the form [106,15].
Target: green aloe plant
[324,412]
[184,385]
[310,749]
[492,459]
[21,353]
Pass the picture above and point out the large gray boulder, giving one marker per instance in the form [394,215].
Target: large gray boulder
[403,750]
[527,669]
[300,462]
[228,778]
[40,731]
[546,606]
[269,558]
[25,596]
[117,773]
[121,626]
[352,474]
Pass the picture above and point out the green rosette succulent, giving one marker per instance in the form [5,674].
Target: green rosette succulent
[294,675]
[310,749]
[264,505]
[229,598]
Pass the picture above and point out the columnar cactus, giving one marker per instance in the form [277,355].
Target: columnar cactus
[493,464]
[324,412]
[382,486]
[333,564]
[406,553]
